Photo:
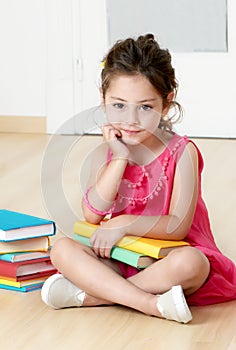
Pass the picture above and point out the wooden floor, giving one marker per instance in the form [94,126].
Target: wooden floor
[26,323]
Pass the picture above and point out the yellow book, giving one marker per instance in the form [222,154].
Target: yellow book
[19,284]
[155,248]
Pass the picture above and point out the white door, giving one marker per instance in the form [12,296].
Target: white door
[76,42]
[60,65]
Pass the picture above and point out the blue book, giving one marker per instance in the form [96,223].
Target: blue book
[27,288]
[17,226]
[22,256]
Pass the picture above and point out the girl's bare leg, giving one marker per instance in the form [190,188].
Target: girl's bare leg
[101,283]
[104,285]
[186,266]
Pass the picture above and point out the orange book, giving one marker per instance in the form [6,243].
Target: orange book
[25,245]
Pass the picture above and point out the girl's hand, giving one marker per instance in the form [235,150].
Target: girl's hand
[105,237]
[114,139]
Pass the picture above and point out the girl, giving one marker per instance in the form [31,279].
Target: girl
[148,179]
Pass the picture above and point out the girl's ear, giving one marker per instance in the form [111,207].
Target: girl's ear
[170,96]
[169,99]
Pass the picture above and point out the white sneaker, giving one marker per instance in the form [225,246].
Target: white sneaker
[173,306]
[58,292]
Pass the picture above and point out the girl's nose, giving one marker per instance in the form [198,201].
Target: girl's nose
[132,115]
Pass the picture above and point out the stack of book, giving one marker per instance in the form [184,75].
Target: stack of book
[136,251]
[24,251]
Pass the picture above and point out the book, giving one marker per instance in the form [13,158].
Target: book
[26,268]
[22,256]
[17,226]
[20,284]
[39,274]
[24,245]
[27,288]
[135,259]
[155,248]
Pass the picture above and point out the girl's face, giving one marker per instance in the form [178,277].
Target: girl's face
[133,107]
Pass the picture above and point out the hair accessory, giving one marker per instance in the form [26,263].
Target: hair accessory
[94,210]
[102,64]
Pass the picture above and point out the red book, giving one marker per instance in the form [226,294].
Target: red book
[26,269]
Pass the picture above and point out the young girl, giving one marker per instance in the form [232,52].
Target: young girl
[148,179]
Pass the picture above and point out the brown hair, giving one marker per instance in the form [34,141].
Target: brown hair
[143,56]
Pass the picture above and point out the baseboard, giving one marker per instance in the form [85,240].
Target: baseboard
[20,124]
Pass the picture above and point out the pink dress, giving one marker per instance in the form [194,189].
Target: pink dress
[146,190]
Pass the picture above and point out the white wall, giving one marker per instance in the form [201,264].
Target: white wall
[22,58]
[50,54]
[207,87]
[207,82]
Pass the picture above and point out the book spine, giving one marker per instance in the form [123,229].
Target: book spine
[22,289]
[9,283]
[84,228]
[25,245]
[135,245]
[125,256]
[7,257]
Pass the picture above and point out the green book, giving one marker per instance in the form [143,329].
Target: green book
[135,259]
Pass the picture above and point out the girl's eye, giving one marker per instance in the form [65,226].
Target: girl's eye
[145,107]
[118,105]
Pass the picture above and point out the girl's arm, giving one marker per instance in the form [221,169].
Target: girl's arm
[101,195]
[104,177]
[174,226]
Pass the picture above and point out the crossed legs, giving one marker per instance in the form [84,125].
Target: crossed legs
[103,284]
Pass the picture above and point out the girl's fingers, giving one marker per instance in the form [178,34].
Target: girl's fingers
[110,133]
[95,248]
[101,250]
[104,252]
[107,253]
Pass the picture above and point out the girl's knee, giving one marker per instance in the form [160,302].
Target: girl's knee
[192,262]
[64,248]
[59,249]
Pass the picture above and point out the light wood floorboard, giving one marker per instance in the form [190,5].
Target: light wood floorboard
[26,323]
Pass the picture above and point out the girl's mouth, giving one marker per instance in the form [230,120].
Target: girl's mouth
[131,132]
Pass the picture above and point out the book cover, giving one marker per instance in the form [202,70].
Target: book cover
[22,256]
[129,257]
[17,226]
[24,245]
[25,268]
[20,284]
[39,274]
[155,248]
[28,288]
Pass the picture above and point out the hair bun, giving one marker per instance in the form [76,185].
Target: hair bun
[147,36]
